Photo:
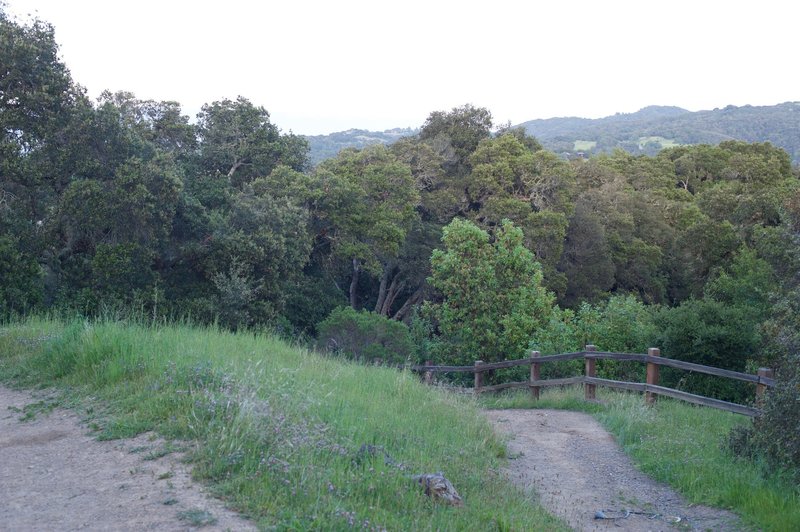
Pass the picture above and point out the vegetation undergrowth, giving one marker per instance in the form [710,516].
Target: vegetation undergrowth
[684,446]
[292,439]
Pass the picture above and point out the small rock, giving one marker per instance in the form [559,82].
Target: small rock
[438,487]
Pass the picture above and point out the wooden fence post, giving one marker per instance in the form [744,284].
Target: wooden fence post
[589,389]
[762,388]
[428,379]
[535,375]
[652,375]
[478,377]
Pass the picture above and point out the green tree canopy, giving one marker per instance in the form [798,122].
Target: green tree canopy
[454,135]
[238,141]
[492,295]
[364,209]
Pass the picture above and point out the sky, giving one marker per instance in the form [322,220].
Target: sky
[320,66]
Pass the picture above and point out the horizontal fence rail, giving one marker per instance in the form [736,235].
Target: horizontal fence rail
[763,380]
[679,364]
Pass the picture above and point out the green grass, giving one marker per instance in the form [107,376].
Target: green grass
[682,445]
[584,145]
[663,142]
[30,411]
[276,429]
[197,518]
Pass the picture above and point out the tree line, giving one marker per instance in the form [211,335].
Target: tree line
[464,241]
[126,203]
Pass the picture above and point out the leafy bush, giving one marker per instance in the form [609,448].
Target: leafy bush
[622,324]
[309,300]
[559,335]
[774,435]
[711,333]
[120,269]
[364,336]
[748,282]
[777,430]
[236,293]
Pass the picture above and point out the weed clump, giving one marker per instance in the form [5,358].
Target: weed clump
[197,517]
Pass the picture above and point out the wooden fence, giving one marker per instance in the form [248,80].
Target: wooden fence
[590,381]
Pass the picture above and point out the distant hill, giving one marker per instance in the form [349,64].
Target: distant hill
[325,146]
[650,129]
[646,131]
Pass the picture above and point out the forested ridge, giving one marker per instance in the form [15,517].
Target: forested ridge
[653,128]
[322,147]
[645,132]
[463,241]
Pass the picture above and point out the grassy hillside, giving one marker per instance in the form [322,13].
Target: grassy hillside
[277,430]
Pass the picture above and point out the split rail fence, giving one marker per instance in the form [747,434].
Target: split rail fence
[590,381]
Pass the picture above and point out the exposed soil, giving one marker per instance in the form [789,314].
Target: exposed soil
[55,476]
[577,469]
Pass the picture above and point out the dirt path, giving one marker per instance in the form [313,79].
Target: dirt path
[578,469]
[54,476]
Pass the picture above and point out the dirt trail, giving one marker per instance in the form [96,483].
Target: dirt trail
[578,469]
[54,476]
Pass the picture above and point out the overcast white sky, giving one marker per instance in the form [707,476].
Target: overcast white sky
[320,66]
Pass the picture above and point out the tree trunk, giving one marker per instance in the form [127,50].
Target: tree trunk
[235,167]
[394,290]
[382,292]
[415,298]
[354,282]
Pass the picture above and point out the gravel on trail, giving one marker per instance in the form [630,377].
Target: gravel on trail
[582,475]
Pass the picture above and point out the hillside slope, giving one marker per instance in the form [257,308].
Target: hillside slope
[292,439]
[644,132]
[653,128]
[326,146]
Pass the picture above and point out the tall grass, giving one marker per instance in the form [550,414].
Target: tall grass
[290,438]
[683,446]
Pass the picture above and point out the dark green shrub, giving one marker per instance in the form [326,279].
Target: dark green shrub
[623,324]
[119,269]
[364,336]
[711,333]
[740,441]
[236,294]
[559,335]
[21,289]
[309,299]
[775,435]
